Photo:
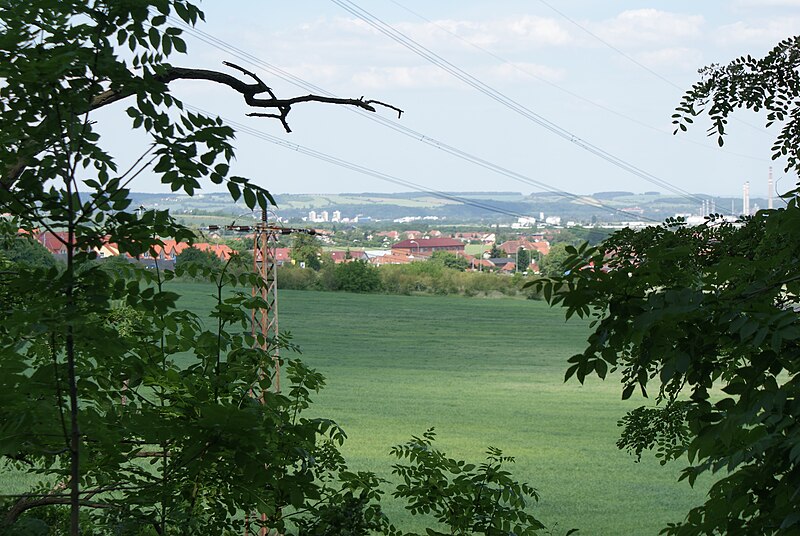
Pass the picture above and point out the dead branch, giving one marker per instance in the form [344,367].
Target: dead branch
[251,93]
[53,498]
[26,504]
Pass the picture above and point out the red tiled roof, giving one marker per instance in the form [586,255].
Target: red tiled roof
[392,258]
[511,246]
[422,243]
[341,256]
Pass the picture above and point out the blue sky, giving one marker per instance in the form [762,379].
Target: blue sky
[609,73]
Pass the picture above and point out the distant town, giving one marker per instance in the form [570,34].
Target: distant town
[506,232]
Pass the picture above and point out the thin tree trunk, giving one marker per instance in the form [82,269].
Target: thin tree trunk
[75,433]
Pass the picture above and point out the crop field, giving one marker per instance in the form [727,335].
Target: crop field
[483,372]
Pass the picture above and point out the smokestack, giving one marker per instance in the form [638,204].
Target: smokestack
[746,199]
[770,189]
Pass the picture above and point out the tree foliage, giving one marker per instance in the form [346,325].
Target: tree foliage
[466,498]
[704,319]
[770,84]
[449,260]
[307,251]
[193,258]
[21,250]
[357,276]
[98,398]
[552,264]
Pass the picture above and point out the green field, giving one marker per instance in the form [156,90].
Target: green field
[482,372]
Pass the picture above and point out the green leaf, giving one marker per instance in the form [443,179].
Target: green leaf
[233,188]
[249,198]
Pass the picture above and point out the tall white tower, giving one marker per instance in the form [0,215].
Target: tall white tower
[770,189]
[746,199]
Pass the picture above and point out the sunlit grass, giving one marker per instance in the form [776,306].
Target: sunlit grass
[482,372]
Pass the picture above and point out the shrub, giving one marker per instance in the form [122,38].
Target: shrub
[357,276]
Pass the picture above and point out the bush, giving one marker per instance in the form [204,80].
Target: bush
[293,277]
[357,276]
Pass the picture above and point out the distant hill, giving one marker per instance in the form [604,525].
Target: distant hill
[455,207]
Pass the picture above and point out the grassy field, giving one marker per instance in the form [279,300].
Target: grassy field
[482,372]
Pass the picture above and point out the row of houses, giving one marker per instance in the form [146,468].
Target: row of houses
[430,245]
[415,250]
[404,252]
[56,243]
[486,238]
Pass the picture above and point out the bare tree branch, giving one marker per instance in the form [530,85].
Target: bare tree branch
[250,93]
[26,504]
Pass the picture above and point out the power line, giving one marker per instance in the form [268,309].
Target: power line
[397,127]
[371,172]
[634,60]
[356,167]
[576,95]
[503,99]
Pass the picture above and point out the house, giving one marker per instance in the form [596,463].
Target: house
[501,262]
[481,265]
[167,251]
[222,251]
[426,246]
[283,256]
[391,235]
[392,258]
[346,256]
[485,238]
[510,247]
[55,242]
[107,250]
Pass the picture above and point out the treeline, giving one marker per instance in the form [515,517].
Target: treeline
[415,278]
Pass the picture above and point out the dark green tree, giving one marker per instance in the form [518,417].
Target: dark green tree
[307,251]
[22,250]
[192,259]
[704,320]
[552,264]
[357,276]
[523,259]
[449,260]
[67,361]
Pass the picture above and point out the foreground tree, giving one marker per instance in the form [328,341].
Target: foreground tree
[705,319]
[186,451]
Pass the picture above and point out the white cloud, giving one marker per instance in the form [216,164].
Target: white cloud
[649,27]
[680,57]
[503,33]
[404,77]
[524,72]
[768,3]
[767,32]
